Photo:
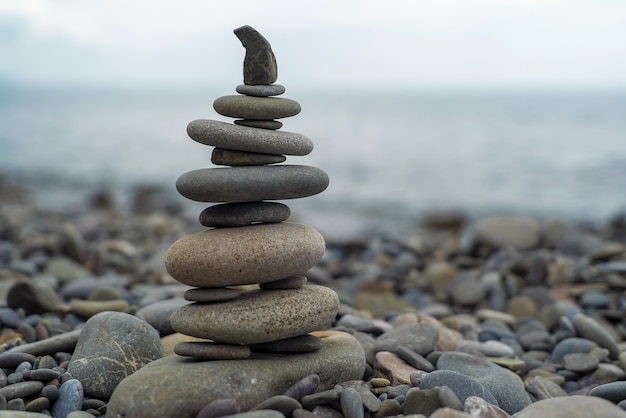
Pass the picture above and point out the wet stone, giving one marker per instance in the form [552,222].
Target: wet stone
[250,107]
[221,156]
[217,294]
[261,90]
[212,351]
[242,214]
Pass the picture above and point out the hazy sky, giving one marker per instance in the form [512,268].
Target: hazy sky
[579,43]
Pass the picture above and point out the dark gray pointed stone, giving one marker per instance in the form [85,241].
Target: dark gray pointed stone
[251,184]
[242,214]
[233,158]
[259,65]
[245,138]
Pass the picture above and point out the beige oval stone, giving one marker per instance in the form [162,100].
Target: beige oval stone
[499,232]
[260,316]
[191,384]
[244,255]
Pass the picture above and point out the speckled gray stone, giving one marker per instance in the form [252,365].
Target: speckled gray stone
[245,138]
[249,381]
[260,316]
[253,183]
[242,214]
[259,64]
[221,156]
[70,399]
[250,107]
[244,255]
[263,124]
[261,90]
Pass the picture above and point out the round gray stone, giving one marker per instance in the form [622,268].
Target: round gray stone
[70,399]
[112,346]
[421,338]
[245,138]
[260,316]
[463,386]
[252,183]
[249,382]
[212,351]
[263,124]
[261,90]
[233,158]
[242,214]
[244,255]
[250,107]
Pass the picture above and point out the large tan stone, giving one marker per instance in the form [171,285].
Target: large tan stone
[260,316]
[244,255]
[175,386]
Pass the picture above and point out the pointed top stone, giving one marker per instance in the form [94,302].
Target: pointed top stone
[259,65]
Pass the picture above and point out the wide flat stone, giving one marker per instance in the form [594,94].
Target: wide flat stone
[250,184]
[263,124]
[260,316]
[244,255]
[245,138]
[211,350]
[193,384]
[261,90]
[246,213]
[221,156]
[216,294]
[250,107]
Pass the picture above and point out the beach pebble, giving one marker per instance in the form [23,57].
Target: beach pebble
[234,256]
[300,344]
[34,298]
[242,214]
[614,392]
[421,401]
[321,398]
[261,90]
[112,346]
[580,362]
[251,107]
[219,408]
[463,386]
[21,390]
[70,399]
[421,338]
[89,308]
[216,294]
[569,346]
[572,407]
[589,328]
[304,387]
[520,233]
[544,388]
[233,158]
[281,403]
[293,282]
[263,124]
[158,314]
[393,368]
[478,407]
[351,404]
[212,351]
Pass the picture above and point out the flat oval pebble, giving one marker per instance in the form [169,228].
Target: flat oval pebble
[58,343]
[221,156]
[572,407]
[421,338]
[244,255]
[251,107]
[70,399]
[307,386]
[591,329]
[249,381]
[260,316]
[212,351]
[263,124]
[293,282]
[614,391]
[21,390]
[251,184]
[463,386]
[217,294]
[321,398]
[281,403]
[351,404]
[569,346]
[261,90]
[301,344]
[245,138]
[242,214]
[12,360]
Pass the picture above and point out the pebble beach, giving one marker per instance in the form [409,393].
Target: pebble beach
[459,317]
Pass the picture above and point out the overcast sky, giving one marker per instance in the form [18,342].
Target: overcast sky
[476,43]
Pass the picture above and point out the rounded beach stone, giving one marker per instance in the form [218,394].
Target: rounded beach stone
[212,351]
[591,329]
[614,391]
[260,316]
[261,90]
[245,255]
[293,282]
[250,107]
[463,386]
[521,233]
[242,214]
[252,183]
[245,138]
[111,346]
[219,408]
[222,156]
[421,338]
[572,407]
[263,124]
[249,381]
[158,314]
[70,398]
[21,390]
[217,294]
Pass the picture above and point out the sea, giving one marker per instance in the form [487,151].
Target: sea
[394,156]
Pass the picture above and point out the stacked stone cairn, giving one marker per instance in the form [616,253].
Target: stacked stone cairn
[248,240]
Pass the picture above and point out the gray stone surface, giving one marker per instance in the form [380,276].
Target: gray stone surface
[463,386]
[212,351]
[251,184]
[70,399]
[246,213]
[261,90]
[521,233]
[572,407]
[111,346]
[248,381]
[421,338]
[245,138]
[158,314]
[260,316]
[249,107]
[218,294]
[262,124]
[259,65]
[591,329]
[233,158]
[245,255]
[306,343]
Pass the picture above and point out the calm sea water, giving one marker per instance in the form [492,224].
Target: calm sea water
[391,156]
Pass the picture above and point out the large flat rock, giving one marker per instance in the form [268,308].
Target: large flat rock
[179,387]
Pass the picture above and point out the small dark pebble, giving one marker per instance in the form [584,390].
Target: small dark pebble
[306,386]
[219,408]
[351,404]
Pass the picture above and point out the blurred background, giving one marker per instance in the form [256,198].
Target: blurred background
[477,106]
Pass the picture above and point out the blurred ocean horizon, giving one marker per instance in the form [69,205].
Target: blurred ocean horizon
[392,156]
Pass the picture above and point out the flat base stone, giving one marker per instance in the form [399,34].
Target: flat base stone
[181,387]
